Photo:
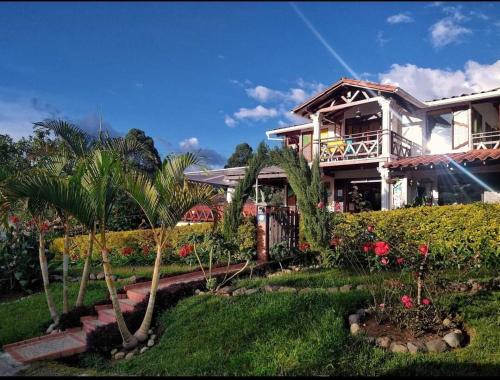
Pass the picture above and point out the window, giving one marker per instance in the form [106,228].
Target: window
[439,132]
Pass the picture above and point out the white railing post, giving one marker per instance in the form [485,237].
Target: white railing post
[386,128]
[316,121]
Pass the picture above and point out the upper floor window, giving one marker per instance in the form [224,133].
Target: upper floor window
[447,130]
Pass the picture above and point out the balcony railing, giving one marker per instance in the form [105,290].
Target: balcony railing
[365,145]
[486,140]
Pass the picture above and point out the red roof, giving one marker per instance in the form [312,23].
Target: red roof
[436,159]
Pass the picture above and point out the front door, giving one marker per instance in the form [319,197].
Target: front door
[369,192]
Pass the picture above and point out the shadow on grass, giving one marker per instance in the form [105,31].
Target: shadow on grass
[446,369]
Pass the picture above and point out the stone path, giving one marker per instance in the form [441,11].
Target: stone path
[9,366]
[73,341]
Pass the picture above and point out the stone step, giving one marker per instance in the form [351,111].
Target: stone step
[106,315]
[138,294]
[126,304]
[52,346]
[90,325]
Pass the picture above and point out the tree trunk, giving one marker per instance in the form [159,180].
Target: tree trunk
[65,267]
[142,333]
[129,341]
[86,270]
[45,276]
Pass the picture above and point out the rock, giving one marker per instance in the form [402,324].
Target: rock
[131,279]
[362,313]
[398,347]
[287,270]
[100,276]
[143,349]
[354,318]
[345,288]
[151,343]
[447,322]
[239,292]
[333,290]
[225,290]
[416,346]
[270,288]
[453,339]
[463,288]
[119,355]
[383,342]
[304,290]
[296,269]
[249,292]
[130,355]
[152,337]
[92,276]
[355,329]
[50,328]
[436,345]
[370,339]
[114,351]
[197,291]
[286,289]
[150,331]
[360,287]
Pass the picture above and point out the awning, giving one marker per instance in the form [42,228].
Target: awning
[437,159]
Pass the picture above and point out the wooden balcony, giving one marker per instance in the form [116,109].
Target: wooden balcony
[365,145]
[486,140]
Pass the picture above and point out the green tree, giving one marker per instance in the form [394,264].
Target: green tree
[240,157]
[164,200]
[149,162]
[232,212]
[306,183]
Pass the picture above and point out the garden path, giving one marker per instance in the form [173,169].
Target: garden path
[73,341]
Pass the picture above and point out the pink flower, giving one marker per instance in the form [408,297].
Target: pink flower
[382,305]
[407,301]
[384,261]
[13,219]
[126,251]
[423,249]
[426,301]
[367,247]
[321,205]
[400,261]
[381,248]
[370,228]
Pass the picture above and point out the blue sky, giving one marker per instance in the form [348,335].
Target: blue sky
[211,75]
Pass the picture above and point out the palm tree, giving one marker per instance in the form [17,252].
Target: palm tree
[164,200]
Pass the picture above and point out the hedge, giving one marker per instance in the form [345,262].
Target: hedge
[458,235]
[116,240]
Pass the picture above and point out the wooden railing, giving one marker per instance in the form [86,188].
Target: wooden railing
[365,145]
[486,140]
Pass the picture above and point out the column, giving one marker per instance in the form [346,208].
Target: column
[385,187]
[386,128]
[316,121]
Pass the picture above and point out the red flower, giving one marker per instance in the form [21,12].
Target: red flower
[145,249]
[304,247]
[13,219]
[370,228]
[426,301]
[423,249]
[367,247]
[384,261]
[185,250]
[126,251]
[45,226]
[335,242]
[381,248]
[407,301]
[400,261]
[321,205]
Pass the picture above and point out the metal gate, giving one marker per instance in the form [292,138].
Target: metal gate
[282,224]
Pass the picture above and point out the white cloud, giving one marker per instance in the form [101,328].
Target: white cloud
[190,143]
[447,31]
[258,113]
[380,38]
[427,83]
[139,85]
[399,18]
[230,122]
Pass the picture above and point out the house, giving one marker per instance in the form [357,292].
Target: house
[395,149]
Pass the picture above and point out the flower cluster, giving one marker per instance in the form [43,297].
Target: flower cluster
[185,250]
[335,242]
[304,247]
[127,251]
[407,301]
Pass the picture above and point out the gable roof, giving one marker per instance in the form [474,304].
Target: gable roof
[387,88]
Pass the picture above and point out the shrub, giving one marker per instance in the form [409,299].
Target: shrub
[459,236]
[246,238]
[140,241]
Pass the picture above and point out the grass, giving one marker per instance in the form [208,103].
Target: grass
[141,271]
[28,316]
[305,334]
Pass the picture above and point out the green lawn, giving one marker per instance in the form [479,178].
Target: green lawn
[142,271]
[287,334]
[26,317]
